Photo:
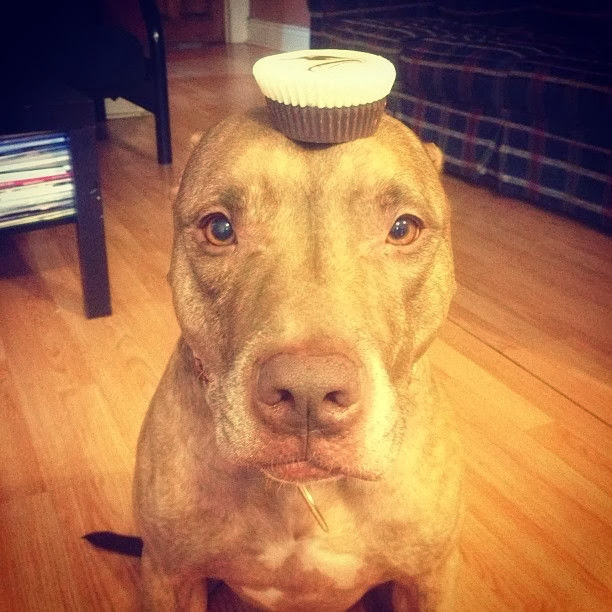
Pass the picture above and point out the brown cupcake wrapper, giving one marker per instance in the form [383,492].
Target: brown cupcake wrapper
[326,125]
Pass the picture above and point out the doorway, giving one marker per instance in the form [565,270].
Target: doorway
[193,22]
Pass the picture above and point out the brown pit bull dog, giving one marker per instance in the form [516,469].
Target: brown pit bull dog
[297,448]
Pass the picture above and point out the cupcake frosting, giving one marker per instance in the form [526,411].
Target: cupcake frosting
[324,78]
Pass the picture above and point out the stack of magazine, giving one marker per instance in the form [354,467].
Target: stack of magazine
[36,182]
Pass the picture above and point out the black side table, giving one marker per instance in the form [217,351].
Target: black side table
[52,107]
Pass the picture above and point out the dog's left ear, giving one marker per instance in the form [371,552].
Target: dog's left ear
[435,154]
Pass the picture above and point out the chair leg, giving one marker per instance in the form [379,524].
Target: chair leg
[162,132]
[90,225]
[162,112]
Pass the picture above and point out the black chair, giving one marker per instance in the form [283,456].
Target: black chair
[102,48]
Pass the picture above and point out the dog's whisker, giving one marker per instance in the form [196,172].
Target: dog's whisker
[305,493]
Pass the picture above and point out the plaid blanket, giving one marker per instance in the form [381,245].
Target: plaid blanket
[517,94]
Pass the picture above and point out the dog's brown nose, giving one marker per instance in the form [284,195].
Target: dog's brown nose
[301,390]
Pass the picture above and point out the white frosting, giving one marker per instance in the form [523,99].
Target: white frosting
[324,78]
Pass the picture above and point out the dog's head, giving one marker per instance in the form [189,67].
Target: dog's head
[308,280]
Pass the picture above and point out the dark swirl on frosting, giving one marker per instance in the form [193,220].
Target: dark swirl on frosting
[325,61]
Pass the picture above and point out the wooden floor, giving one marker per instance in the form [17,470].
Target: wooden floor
[526,356]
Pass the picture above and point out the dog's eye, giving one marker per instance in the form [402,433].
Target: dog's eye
[218,230]
[405,230]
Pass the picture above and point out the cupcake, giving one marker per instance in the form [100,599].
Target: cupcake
[325,95]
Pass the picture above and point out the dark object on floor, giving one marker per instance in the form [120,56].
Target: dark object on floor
[115,542]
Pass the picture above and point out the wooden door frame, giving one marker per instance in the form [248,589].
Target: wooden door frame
[236,20]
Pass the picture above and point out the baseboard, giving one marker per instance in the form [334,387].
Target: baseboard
[120,108]
[280,36]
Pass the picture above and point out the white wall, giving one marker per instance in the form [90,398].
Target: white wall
[239,28]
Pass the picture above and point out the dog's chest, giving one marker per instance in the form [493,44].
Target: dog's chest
[303,574]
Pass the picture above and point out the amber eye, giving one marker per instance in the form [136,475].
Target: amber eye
[405,230]
[218,230]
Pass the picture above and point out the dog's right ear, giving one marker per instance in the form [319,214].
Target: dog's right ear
[435,154]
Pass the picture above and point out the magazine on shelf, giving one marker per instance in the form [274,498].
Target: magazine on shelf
[35,178]
[32,195]
[57,211]
[40,158]
[13,144]
[51,173]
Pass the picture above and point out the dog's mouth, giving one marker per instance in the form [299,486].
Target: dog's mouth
[302,471]
[299,472]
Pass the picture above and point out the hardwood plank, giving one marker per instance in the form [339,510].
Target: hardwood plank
[20,473]
[524,498]
[538,288]
[45,563]
[35,561]
[591,462]
[520,380]
[532,466]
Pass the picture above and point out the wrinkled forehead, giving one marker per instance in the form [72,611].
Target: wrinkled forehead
[248,153]
[243,148]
